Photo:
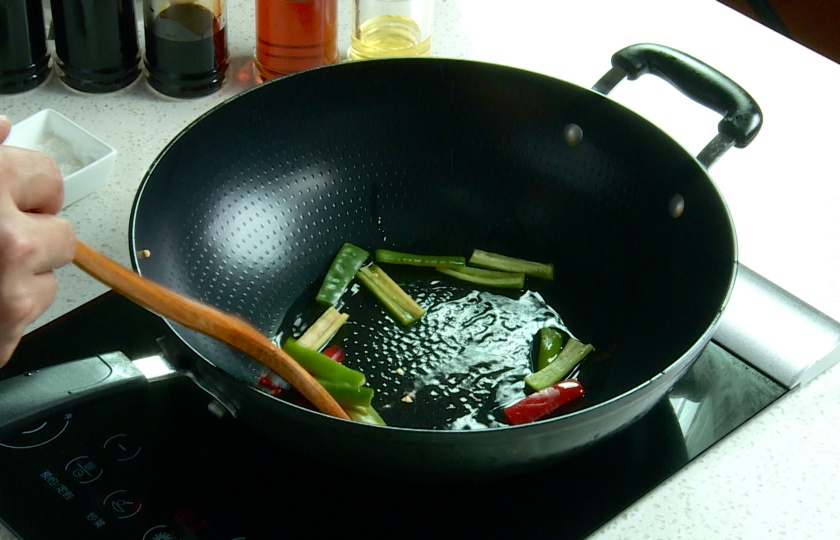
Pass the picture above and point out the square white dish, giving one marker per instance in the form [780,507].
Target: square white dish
[85,161]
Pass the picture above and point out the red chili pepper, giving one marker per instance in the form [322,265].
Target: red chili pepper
[541,403]
[336,352]
[265,381]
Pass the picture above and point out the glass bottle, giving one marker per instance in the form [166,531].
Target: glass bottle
[96,43]
[390,28]
[293,35]
[24,60]
[186,46]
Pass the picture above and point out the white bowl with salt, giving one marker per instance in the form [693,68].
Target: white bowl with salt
[84,160]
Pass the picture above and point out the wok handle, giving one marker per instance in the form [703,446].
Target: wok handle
[742,117]
[38,394]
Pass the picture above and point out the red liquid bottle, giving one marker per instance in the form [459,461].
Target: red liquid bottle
[293,35]
[24,60]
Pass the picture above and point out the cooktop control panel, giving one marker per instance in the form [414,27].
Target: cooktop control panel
[116,468]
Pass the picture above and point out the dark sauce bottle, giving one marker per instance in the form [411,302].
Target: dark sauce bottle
[24,60]
[96,43]
[186,48]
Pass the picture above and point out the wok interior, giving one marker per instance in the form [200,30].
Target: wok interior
[247,207]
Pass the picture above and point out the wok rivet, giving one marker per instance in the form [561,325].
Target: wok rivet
[573,134]
[216,409]
[676,206]
[144,254]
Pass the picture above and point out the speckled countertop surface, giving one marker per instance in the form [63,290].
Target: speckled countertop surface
[779,475]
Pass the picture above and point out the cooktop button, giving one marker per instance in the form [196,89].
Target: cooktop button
[38,435]
[121,504]
[83,469]
[161,532]
[122,447]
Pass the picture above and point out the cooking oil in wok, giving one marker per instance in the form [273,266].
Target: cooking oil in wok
[389,35]
[455,368]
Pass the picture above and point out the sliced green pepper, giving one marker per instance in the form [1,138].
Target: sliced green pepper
[345,265]
[494,261]
[323,367]
[390,294]
[569,357]
[551,342]
[348,396]
[413,259]
[490,278]
[366,415]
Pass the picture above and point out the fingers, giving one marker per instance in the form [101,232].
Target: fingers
[23,302]
[34,241]
[5,127]
[57,246]
[31,247]
[32,179]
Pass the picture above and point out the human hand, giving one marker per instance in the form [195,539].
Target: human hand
[34,241]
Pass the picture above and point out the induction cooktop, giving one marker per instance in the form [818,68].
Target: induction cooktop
[162,460]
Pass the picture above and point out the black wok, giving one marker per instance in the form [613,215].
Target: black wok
[246,208]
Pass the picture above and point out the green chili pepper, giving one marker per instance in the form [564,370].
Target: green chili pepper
[551,343]
[345,265]
[348,396]
[366,415]
[413,259]
[323,367]
[569,357]
[483,276]
[494,261]
[390,294]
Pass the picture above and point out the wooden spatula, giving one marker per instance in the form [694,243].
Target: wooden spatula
[206,319]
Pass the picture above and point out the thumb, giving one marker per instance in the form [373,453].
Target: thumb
[5,127]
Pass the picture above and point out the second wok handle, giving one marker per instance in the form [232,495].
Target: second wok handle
[205,319]
[742,117]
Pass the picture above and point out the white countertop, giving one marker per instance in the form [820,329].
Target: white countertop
[779,475]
